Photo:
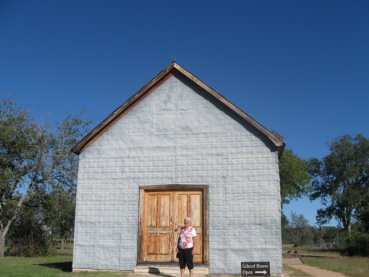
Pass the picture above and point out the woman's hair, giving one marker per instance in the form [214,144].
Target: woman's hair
[188,219]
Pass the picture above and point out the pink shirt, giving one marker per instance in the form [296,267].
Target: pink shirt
[186,238]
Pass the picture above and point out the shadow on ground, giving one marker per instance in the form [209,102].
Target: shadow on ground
[156,271]
[63,266]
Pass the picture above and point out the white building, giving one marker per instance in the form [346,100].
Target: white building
[178,148]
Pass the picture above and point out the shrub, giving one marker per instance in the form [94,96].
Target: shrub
[358,244]
[29,237]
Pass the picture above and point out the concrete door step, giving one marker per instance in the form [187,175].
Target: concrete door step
[168,269]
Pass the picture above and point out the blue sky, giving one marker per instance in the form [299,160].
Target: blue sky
[298,67]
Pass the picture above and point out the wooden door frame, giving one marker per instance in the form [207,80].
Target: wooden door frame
[176,187]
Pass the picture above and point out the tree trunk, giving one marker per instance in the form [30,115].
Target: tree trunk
[62,242]
[2,243]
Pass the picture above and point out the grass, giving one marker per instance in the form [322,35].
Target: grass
[59,265]
[331,259]
[304,251]
[350,266]
[318,252]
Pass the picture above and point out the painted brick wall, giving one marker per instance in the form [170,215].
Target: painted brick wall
[177,136]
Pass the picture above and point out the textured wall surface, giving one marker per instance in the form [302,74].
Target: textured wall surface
[176,135]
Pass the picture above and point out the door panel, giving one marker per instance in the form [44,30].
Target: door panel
[164,245]
[190,204]
[182,207]
[198,246]
[157,231]
[151,210]
[195,209]
[162,218]
[152,244]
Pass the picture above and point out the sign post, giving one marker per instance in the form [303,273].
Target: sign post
[255,268]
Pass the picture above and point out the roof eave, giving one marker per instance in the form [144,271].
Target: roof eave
[77,149]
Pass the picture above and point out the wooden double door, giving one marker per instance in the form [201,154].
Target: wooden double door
[162,215]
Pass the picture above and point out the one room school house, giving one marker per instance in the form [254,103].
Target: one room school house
[178,148]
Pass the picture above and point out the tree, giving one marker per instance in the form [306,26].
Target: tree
[301,230]
[341,180]
[28,235]
[24,149]
[362,216]
[59,214]
[64,162]
[294,176]
[298,231]
[36,164]
[298,221]
[294,180]
[60,203]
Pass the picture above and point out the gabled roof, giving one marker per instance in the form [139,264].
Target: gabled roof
[154,83]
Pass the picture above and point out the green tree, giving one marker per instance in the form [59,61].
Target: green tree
[294,182]
[362,216]
[36,164]
[64,162]
[293,174]
[60,203]
[341,180]
[59,210]
[28,235]
[25,153]
[294,177]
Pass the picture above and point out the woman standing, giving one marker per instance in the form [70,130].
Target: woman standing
[186,246]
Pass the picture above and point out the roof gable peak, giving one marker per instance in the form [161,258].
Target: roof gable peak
[154,83]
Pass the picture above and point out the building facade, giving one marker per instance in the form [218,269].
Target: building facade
[178,148]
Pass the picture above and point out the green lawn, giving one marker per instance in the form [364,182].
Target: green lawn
[60,265]
[43,267]
[53,266]
[330,259]
[350,266]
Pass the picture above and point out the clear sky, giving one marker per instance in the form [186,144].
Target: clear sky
[298,67]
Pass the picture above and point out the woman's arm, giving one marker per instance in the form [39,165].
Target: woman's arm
[179,237]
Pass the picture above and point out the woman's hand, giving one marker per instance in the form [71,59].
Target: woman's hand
[193,252]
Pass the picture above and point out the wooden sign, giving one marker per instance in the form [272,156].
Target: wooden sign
[255,268]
